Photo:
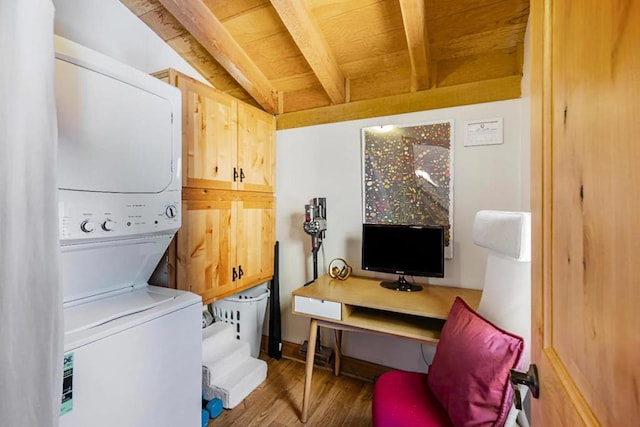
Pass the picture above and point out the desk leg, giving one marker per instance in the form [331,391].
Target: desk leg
[311,345]
[338,337]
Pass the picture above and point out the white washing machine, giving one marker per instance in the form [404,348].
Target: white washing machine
[132,351]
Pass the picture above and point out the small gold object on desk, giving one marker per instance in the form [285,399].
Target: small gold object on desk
[339,269]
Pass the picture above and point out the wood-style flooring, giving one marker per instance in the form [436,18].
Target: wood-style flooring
[335,401]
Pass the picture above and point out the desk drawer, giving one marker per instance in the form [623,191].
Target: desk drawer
[317,307]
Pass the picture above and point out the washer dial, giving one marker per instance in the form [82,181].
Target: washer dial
[87,226]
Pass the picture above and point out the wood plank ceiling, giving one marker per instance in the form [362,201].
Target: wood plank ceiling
[320,61]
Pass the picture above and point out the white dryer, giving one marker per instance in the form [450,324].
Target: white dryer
[132,351]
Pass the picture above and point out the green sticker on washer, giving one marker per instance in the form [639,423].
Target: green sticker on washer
[67,384]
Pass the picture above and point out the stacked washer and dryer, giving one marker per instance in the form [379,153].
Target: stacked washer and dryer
[132,351]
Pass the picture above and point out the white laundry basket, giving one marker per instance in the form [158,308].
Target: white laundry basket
[245,310]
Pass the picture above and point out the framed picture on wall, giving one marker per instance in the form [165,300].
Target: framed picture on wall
[407,176]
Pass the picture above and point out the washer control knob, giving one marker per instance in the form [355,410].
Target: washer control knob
[171,211]
[87,226]
[107,225]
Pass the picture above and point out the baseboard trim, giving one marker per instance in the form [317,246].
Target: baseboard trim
[349,366]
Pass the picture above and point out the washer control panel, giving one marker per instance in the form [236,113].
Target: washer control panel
[86,217]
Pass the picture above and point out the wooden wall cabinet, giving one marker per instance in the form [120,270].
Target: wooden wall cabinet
[226,242]
[229,145]
[256,149]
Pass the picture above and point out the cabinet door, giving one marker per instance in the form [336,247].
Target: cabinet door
[206,248]
[210,134]
[256,149]
[256,239]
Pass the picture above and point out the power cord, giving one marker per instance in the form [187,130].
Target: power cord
[421,344]
[423,356]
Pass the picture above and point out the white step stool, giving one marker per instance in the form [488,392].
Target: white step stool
[228,370]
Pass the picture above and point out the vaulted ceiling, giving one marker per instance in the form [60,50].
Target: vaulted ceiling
[320,61]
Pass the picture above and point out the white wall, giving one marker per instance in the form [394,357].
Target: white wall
[110,28]
[325,161]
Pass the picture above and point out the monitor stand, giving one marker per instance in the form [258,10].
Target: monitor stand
[401,285]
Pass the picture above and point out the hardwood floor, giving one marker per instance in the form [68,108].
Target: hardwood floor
[335,401]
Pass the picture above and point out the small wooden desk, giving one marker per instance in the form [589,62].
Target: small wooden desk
[362,304]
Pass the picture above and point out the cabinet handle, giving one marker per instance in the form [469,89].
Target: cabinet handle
[240,272]
[235,174]
[241,175]
[234,274]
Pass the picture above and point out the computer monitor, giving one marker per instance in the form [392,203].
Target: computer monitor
[414,250]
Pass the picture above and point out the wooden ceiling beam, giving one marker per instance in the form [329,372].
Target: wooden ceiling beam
[306,33]
[415,28]
[198,19]
[442,97]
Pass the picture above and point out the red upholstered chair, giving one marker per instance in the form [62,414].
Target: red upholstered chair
[468,380]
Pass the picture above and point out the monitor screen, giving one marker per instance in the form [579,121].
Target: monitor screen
[414,250]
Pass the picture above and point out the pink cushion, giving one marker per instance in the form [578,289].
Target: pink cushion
[403,399]
[470,371]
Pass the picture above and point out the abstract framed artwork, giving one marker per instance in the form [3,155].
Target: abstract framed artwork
[407,176]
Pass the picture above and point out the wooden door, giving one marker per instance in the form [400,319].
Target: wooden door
[256,237]
[585,198]
[207,247]
[256,149]
[210,133]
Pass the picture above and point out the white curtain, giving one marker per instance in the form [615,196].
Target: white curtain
[30,294]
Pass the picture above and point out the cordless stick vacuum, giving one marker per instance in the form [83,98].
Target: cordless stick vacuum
[315,224]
